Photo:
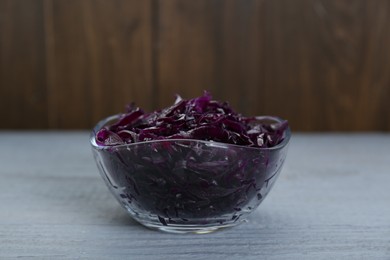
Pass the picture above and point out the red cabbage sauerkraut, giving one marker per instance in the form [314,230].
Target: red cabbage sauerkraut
[180,181]
[200,118]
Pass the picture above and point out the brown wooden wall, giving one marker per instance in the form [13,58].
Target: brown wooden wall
[322,64]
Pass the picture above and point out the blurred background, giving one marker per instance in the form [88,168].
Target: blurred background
[322,64]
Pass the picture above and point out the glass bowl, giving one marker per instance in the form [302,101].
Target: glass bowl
[186,185]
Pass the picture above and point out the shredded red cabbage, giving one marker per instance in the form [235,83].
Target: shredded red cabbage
[199,118]
[187,182]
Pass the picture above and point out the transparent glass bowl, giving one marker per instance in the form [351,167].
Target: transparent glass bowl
[188,185]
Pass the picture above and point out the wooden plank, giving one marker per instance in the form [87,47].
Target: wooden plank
[99,59]
[374,87]
[23,99]
[321,64]
[330,202]
[326,64]
[211,45]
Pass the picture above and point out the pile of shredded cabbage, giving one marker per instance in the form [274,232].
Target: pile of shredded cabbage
[200,118]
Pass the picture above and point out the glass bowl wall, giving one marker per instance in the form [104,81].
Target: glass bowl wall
[188,185]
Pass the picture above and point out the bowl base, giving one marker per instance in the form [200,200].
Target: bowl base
[194,226]
[189,229]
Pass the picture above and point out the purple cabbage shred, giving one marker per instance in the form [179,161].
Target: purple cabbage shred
[200,118]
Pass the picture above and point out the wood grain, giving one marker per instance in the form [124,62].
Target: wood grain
[211,45]
[319,64]
[99,59]
[330,202]
[323,65]
[23,96]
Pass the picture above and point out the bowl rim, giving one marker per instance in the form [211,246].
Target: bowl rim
[106,120]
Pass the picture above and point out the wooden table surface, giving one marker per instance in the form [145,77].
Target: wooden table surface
[332,201]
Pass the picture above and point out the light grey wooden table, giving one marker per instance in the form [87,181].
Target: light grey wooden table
[332,201]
